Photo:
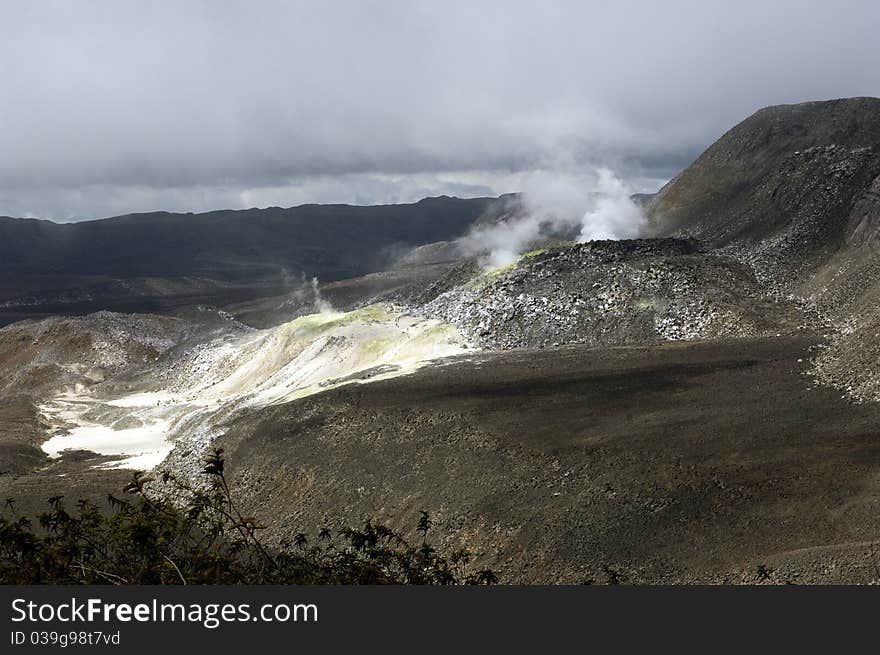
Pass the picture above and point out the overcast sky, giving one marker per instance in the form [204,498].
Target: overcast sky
[113,107]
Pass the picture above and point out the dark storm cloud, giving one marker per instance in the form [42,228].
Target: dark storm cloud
[119,106]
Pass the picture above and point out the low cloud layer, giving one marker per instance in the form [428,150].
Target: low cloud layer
[109,107]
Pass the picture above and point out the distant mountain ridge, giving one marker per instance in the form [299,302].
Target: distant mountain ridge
[228,242]
[198,253]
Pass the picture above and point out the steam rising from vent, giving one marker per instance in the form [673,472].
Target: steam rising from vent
[615,215]
[562,207]
[305,294]
[322,306]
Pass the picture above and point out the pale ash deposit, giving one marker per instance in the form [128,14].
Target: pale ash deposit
[189,393]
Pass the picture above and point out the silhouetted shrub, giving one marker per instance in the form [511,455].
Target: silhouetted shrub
[207,540]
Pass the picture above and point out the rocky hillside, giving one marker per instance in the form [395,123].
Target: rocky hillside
[610,293]
[780,167]
[681,462]
[793,192]
[41,358]
[85,350]
[672,409]
[788,188]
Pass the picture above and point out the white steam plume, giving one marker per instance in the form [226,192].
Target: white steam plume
[304,293]
[322,305]
[615,215]
[560,206]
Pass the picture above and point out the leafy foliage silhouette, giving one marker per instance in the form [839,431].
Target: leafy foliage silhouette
[151,540]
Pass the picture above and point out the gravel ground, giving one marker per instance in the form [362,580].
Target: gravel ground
[614,293]
[695,462]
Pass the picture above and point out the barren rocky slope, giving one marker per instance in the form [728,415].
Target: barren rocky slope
[674,409]
[786,167]
[684,462]
[612,293]
[794,193]
[41,358]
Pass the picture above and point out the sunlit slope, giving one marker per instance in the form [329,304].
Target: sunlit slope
[187,394]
